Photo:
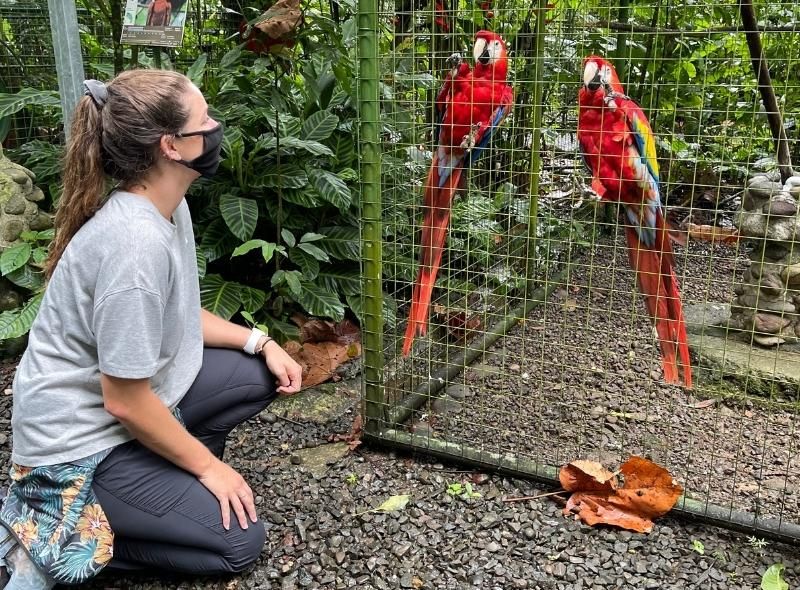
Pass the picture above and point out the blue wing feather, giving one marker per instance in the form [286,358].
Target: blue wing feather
[499,114]
[644,217]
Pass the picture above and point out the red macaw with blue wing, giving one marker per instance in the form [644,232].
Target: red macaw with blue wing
[619,147]
[469,108]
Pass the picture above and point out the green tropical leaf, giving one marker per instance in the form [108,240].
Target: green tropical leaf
[240,214]
[319,126]
[344,151]
[341,242]
[15,257]
[280,330]
[307,263]
[269,142]
[197,69]
[230,58]
[345,281]
[267,248]
[773,578]
[247,247]
[252,299]
[233,148]
[289,277]
[217,241]
[202,264]
[356,305]
[320,302]
[288,237]
[305,198]
[219,296]
[284,176]
[314,251]
[16,323]
[311,237]
[27,278]
[14,103]
[39,255]
[330,187]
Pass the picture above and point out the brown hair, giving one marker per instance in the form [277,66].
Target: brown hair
[116,138]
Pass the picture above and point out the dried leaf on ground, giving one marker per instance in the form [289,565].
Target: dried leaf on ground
[648,492]
[587,476]
[325,346]
[316,330]
[352,438]
[713,233]
[706,403]
[281,18]
[393,504]
[460,323]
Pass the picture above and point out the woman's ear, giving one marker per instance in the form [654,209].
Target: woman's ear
[167,146]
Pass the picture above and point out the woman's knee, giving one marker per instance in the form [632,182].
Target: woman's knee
[245,546]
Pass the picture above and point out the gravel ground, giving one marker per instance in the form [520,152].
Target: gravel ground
[581,378]
[320,537]
[316,539]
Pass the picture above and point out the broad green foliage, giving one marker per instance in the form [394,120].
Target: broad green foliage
[280,219]
[278,228]
[22,265]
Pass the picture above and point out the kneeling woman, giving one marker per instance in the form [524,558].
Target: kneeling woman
[128,389]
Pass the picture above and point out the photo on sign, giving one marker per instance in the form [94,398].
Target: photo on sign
[154,22]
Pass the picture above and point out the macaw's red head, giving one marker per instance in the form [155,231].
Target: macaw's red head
[490,55]
[599,74]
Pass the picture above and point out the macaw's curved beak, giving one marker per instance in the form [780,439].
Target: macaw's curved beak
[481,51]
[591,76]
[595,83]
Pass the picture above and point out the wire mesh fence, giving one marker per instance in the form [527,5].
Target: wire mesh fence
[539,347]
[27,59]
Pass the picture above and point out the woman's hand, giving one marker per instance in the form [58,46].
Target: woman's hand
[287,371]
[231,490]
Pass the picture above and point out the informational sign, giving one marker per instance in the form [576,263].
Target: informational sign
[154,22]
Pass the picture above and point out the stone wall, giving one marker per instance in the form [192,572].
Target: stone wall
[767,303]
[19,211]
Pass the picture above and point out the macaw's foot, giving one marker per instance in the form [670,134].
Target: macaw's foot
[469,141]
[454,60]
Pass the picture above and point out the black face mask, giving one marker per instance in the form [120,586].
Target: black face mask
[207,162]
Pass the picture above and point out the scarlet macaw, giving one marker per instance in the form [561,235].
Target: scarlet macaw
[469,108]
[619,147]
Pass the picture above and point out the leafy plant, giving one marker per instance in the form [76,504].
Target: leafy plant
[462,490]
[773,578]
[22,265]
[698,547]
[757,543]
[278,226]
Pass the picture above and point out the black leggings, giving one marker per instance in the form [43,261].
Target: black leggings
[161,515]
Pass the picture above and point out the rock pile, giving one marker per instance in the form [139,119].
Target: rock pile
[767,303]
[19,211]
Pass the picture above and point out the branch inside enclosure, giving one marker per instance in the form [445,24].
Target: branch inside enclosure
[536,497]
[793,27]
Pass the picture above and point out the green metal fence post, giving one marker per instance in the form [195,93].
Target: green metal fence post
[69,61]
[369,140]
[536,146]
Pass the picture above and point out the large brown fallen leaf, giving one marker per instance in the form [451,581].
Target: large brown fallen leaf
[648,492]
[281,18]
[325,346]
[712,233]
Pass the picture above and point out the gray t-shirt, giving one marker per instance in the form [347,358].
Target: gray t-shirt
[124,300]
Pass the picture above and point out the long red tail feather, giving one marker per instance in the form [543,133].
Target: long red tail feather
[434,233]
[659,286]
